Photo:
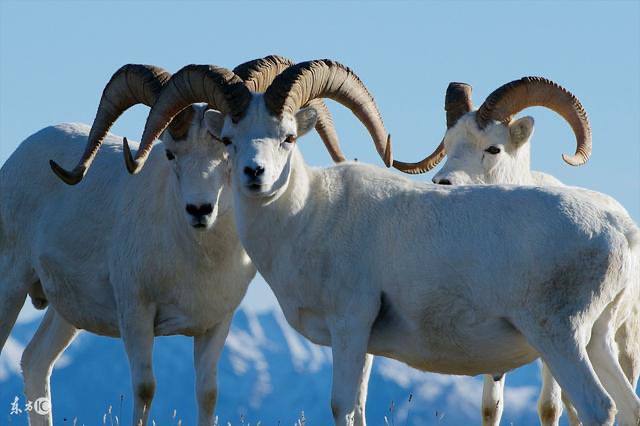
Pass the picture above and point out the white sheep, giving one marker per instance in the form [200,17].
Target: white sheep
[135,258]
[500,154]
[457,280]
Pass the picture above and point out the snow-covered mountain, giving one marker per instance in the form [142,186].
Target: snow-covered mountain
[268,373]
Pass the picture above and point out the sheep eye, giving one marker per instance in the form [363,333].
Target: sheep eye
[170,155]
[493,150]
[290,139]
[226,141]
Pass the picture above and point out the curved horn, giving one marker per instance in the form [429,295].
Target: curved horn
[260,73]
[132,84]
[327,130]
[258,76]
[219,87]
[306,81]
[423,165]
[511,98]
[457,102]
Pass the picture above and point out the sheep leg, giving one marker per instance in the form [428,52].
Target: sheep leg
[137,331]
[349,349]
[206,352]
[628,341]
[564,351]
[11,301]
[550,401]
[492,400]
[51,339]
[13,292]
[574,420]
[603,353]
[359,417]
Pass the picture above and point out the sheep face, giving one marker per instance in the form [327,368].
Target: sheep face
[201,170]
[260,146]
[497,154]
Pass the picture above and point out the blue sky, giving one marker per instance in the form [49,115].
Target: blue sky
[55,58]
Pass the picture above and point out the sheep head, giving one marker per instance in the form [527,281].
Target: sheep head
[258,76]
[198,164]
[261,136]
[488,145]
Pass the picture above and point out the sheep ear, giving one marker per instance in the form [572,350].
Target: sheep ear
[306,120]
[214,120]
[521,130]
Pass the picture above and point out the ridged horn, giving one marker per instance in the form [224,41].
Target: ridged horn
[258,76]
[260,73]
[132,84]
[220,88]
[457,102]
[301,83]
[513,97]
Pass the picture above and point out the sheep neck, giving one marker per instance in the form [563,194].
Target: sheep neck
[264,223]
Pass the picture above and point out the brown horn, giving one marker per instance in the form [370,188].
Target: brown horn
[219,87]
[457,102]
[260,73]
[132,84]
[508,100]
[258,76]
[299,84]
[327,130]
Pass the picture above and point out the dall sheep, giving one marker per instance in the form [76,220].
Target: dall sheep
[458,280]
[124,257]
[499,152]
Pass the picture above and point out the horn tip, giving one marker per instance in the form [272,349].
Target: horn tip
[69,177]
[408,168]
[388,158]
[575,160]
[133,166]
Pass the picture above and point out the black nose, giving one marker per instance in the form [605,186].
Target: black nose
[199,211]
[254,172]
[444,182]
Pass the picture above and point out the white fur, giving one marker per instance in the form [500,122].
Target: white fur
[456,280]
[468,162]
[118,255]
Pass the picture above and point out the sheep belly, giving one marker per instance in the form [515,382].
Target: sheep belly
[171,320]
[83,298]
[453,346]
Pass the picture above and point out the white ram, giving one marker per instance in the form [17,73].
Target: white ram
[135,258]
[471,280]
[500,153]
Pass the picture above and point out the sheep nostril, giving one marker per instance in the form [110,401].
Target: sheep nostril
[199,211]
[206,209]
[254,172]
[192,209]
[444,182]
